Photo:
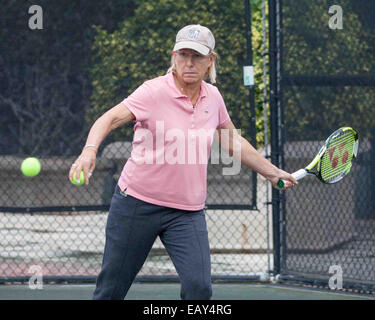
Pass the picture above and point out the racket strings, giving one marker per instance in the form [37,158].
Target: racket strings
[337,159]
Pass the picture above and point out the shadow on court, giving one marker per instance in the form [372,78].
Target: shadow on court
[157,291]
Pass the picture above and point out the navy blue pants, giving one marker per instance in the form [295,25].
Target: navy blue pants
[133,226]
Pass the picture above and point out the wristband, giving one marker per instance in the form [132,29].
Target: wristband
[90,145]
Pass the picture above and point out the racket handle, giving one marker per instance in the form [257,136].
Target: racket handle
[301,173]
[280,184]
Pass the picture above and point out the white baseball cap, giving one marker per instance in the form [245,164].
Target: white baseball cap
[196,37]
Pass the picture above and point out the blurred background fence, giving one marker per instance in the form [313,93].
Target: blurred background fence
[323,75]
[48,222]
[56,81]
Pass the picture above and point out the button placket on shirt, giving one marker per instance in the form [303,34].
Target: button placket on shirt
[193,122]
[193,116]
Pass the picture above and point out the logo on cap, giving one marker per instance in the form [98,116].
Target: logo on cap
[193,34]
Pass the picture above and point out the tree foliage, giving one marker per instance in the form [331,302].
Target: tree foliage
[45,84]
[312,49]
[141,49]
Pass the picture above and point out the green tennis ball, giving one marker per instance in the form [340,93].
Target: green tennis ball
[31,167]
[81,180]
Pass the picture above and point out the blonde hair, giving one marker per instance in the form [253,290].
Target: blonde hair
[211,72]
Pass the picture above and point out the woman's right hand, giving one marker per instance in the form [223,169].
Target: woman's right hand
[283,175]
[86,162]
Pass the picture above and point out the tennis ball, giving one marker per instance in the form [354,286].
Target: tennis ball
[31,167]
[81,180]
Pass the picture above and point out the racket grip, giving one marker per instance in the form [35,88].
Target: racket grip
[280,184]
[297,175]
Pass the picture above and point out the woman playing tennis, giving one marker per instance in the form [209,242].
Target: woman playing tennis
[162,187]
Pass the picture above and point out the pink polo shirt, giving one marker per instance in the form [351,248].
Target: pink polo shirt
[171,144]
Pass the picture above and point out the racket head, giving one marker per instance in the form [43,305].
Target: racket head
[336,155]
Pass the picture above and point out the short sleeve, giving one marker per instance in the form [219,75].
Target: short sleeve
[139,102]
[224,117]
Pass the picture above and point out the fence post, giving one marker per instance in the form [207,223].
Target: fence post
[249,48]
[275,110]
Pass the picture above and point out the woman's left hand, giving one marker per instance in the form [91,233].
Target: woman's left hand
[85,162]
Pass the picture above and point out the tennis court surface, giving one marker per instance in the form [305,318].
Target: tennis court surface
[170,291]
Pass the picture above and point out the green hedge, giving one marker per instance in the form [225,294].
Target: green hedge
[141,49]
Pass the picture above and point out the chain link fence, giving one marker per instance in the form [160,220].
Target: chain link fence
[322,77]
[48,100]
[48,222]
[326,71]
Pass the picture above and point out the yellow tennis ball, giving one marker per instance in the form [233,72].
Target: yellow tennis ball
[81,180]
[31,167]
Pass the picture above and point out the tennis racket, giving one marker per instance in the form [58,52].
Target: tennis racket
[334,160]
